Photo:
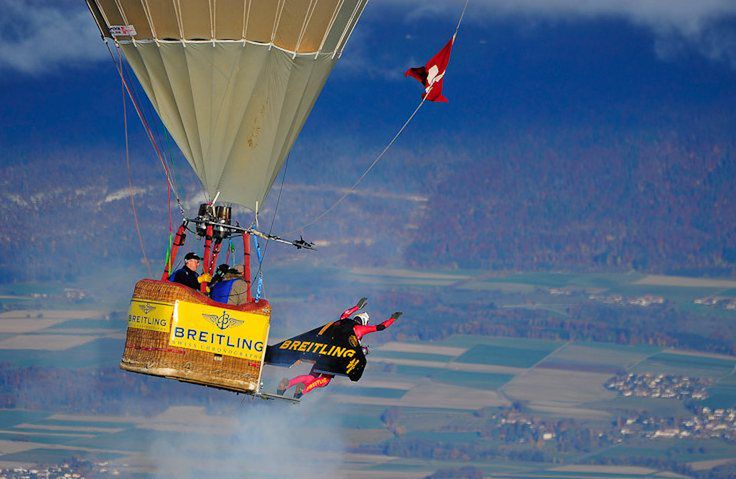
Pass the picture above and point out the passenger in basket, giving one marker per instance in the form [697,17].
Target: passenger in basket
[232,289]
[187,275]
[219,274]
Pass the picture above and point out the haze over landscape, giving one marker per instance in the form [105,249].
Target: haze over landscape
[560,236]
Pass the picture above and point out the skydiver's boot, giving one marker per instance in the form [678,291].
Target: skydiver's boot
[283,386]
[299,391]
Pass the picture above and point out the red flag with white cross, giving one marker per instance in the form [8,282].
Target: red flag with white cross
[432,74]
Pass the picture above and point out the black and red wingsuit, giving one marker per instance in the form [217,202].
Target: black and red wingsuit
[334,348]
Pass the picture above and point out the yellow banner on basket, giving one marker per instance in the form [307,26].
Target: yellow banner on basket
[219,330]
[150,315]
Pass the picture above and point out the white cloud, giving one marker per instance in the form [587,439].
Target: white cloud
[124,193]
[677,25]
[263,439]
[686,15]
[358,60]
[38,36]
[41,35]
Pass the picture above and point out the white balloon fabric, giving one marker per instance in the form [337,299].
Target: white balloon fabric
[232,80]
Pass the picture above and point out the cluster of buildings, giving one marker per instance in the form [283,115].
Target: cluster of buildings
[75,294]
[643,301]
[706,424]
[76,469]
[559,291]
[64,471]
[658,386]
[514,426]
[726,303]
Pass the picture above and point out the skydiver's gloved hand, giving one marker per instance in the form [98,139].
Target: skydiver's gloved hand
[366,350]
[397,315]
[362,302]
[204,278]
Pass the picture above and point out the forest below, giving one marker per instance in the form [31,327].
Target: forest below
[582,198]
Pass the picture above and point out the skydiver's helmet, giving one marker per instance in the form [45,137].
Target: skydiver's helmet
[361,318]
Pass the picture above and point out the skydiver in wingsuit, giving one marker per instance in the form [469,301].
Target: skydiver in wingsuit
[307,382]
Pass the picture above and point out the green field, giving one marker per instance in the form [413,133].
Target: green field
[83,424]
[80,430]
[541,474]
[722,394]
[372,392]
[680,449]
[129,440]
[37,438]
[466,341]
[434,420]
[55,456]
[721,397]
[456,378]
[560,280]
[410,355]
[634,405]
[504,355]
[112,325]
[688,365]
[597,357]
[639,349]
[26,289]
[424,425]
[365,418]
[11,417]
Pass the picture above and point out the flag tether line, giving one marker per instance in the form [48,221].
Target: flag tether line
[385,149]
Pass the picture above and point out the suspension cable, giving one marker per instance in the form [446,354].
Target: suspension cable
[160,135]
[273,218]
[148,130]
[130,181]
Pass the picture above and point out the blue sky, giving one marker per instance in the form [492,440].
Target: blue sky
[516,64]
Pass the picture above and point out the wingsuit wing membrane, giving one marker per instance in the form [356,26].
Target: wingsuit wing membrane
[333,348]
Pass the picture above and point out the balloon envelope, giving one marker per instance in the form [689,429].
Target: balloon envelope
[232,81]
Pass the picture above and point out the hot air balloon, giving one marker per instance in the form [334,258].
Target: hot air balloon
[233,81]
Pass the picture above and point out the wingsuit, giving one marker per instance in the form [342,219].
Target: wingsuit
[308,382]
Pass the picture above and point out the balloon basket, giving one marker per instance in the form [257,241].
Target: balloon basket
[178,333]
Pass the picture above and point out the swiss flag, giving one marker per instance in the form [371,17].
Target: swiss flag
[432,74]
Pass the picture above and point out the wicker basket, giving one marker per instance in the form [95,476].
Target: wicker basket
[148,349]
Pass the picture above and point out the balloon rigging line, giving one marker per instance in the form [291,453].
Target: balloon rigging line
[142,115]
[273,218]
[147,128]
[157,128]
[130,181]
[385,149]
[161,135]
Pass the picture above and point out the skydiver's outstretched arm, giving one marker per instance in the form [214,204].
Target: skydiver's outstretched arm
[361,330]
[349,312]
